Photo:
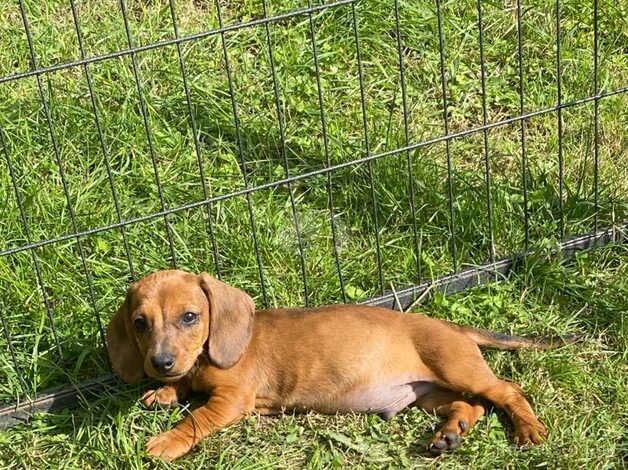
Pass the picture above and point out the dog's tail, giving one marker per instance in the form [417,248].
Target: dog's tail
[503,341]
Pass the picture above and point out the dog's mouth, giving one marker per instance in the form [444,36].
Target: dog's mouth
[171,376]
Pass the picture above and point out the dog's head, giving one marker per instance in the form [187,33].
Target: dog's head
[167,319]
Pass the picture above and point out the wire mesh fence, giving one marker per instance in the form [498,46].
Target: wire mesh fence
[307,152]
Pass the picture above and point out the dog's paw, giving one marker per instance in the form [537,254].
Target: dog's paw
[449,437]
[527,434]
[168,446]
[444,441]
[164,397]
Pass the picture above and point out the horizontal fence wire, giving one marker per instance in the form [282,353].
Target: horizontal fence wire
[169,42]
[313,173]
[460,277]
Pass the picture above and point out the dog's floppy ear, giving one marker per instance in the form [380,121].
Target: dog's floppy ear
[231,321]
[125,357]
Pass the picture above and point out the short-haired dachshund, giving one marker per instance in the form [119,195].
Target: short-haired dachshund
[194,332]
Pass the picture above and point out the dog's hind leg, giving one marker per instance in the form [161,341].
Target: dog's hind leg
[463,369]
[461,413]
[509,396]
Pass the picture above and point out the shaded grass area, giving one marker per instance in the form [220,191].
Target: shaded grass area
[74,308]
[579,392]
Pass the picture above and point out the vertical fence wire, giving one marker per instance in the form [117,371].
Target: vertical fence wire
[367,147]
[404,104]
[29,237]
[282,137]
[243,164]
[149,133]
[596,117]
[101,139]
[197,143]
[330,192]
[9,338]
[64,183]
[559,116]
[522,130]
[450,182]
[487,162]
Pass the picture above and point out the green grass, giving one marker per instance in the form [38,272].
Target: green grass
[580,392]
[27,138]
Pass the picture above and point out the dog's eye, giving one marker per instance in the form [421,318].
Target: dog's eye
[140,324]
[189,317]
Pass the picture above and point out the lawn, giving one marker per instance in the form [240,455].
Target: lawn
[580,392]
[110,176]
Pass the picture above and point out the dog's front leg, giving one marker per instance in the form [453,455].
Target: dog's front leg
[167,395]
[225,407]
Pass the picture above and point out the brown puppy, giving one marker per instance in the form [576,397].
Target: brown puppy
[197,333]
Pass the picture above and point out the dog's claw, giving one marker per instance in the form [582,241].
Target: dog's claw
[437,446]
[530,434]
[453,439]
[444,441]
[162,397]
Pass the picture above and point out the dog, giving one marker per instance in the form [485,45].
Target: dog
[194,332]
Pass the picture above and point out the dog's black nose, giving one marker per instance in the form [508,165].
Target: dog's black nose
[162,362]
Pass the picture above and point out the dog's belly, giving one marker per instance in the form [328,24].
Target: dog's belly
[384,399]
